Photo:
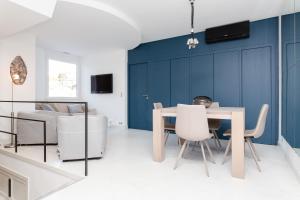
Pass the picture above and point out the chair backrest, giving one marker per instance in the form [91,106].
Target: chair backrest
[157,105]
[261,122]
[214,105]
[191,122]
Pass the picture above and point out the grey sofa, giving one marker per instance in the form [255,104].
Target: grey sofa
[30,132]
[71,137]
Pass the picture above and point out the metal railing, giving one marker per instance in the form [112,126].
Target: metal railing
[16,134]
[45,142]
[16,138]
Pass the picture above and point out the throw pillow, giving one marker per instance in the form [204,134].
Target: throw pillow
[76,108]
[38,106]
[62,107]
[47,107]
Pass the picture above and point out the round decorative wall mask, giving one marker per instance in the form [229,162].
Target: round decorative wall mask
[18,71]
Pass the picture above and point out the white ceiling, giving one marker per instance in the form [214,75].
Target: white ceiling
[15,17]
[160,19]
[83,26]
[44,7]
[80,30]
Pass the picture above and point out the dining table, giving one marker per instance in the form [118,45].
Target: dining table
[235,114]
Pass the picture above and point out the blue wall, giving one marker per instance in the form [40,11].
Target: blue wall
[291,78]
[235,73]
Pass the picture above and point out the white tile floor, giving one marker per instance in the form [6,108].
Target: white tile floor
[297,150]
[128,172]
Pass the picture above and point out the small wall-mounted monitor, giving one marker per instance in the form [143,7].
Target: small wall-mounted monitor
[102,84]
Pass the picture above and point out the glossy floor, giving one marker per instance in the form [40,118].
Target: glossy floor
[128,172]
[297,150]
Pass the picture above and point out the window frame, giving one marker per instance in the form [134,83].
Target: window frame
[63,57]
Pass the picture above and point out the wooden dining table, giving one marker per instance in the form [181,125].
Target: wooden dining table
[235,114]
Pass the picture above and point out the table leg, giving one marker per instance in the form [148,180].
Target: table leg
[238,130]
[158,136]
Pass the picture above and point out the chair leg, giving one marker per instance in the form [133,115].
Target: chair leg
[216,143]
[227,150]
[216,139]
[180,153]
[254,149]
[204,158]
[210,153]
[195,143]
[180,141]
[167,136]
[186,149]
[253,155]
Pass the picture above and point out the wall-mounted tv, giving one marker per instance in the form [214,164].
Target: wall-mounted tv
[102,84]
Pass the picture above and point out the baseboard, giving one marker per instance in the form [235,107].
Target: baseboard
[291,156]
[117,126]
[38,144]
[75,160]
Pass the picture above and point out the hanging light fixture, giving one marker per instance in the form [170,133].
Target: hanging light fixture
[192,42]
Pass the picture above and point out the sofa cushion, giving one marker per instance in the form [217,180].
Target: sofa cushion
[75,108]
[51,113]
[48,107]
[61,107]
[38,106]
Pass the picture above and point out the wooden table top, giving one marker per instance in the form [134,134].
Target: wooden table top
[213,113]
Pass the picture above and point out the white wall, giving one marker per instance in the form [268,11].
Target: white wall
[22,45]
[291,155]
[114,106]
[41,73]
[42,56]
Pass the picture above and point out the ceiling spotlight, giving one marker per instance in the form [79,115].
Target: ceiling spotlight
[192,42]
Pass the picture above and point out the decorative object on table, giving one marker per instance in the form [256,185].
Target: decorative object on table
[18,74]
[192,42]
[202,100]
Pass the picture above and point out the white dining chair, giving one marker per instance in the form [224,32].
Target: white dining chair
[250,134]
[214,126]
[169,128]
[192,126]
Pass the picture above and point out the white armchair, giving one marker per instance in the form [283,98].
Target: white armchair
[70,131]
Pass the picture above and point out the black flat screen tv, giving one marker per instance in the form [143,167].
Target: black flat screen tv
[102,84]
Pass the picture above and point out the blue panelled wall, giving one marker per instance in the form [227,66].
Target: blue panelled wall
[235,73]
[291,78]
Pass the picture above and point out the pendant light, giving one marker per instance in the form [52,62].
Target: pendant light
[192,42]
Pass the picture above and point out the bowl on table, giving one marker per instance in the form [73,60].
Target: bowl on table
[202,100]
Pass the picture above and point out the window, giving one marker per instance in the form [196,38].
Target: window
[62,79]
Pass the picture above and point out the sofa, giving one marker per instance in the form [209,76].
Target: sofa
[32,132]
[71,137]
